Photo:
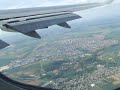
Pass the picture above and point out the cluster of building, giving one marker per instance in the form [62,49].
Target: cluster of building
[59,50]
[87,80]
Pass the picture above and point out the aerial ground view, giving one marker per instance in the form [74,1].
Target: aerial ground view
[85,57]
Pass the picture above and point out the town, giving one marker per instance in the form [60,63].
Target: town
[66,48]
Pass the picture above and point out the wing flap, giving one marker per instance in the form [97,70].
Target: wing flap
[40,23]
[33,34]
[64,24]
[3,44]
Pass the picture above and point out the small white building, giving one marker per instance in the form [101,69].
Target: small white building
[92,85]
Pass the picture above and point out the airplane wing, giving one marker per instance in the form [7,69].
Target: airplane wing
[27,20]
[3,44]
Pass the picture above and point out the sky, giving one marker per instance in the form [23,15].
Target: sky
[107,11]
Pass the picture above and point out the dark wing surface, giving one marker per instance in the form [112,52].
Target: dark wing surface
[3,44]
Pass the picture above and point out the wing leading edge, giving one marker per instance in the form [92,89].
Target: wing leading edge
[27,20]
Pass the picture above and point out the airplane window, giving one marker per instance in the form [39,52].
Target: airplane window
[84,57]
